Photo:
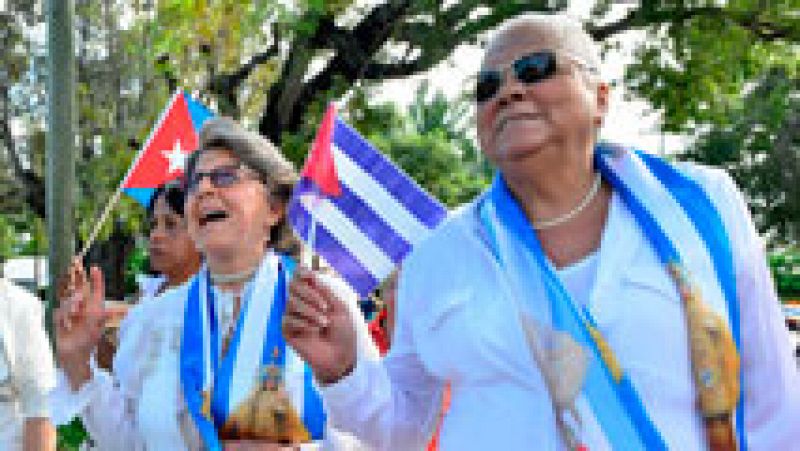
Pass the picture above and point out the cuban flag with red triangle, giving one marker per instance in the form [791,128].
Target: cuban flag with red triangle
[368,212]
[164,154]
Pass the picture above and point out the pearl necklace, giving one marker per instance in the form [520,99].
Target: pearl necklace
[236,277]
[558,220]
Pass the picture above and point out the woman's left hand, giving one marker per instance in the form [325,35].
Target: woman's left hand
[318,325]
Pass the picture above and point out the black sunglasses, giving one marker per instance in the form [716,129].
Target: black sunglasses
[220,177]
[528,69]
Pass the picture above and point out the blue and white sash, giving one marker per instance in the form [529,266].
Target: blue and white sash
[214,387]
[684,228]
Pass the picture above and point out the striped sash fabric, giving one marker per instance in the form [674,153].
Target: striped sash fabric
[213,387]
[680,223]
[369,213]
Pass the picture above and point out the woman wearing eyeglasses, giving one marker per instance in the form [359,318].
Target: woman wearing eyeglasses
[213,370]
[593,298]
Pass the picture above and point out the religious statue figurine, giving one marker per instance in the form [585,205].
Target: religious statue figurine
[267,414]
[563,363]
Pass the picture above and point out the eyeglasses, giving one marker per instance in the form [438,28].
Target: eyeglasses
[528,69]
[220,177]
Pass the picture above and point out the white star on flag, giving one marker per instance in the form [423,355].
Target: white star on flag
[176,157]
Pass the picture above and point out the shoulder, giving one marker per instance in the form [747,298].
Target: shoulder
[165,308]
[447,261]
[448,239]
[16,302]
[723,193]
[714,181]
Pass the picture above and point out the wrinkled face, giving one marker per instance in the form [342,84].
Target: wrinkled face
[523,120]
[171,248]
[233,219]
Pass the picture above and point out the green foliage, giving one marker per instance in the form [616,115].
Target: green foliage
[760,147]
[694,70]
[431,141]
[8,238]
[71,436]
[785,265]
[138,263]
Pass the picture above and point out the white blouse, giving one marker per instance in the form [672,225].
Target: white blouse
[27,372]
[140,405]
[457,323]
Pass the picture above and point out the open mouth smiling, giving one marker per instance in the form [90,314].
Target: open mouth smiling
[213,216]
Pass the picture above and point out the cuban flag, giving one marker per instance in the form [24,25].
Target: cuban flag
[358,210]
[164,154]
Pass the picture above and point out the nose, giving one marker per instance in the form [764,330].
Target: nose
[510,89]
[204,184]
[157,233]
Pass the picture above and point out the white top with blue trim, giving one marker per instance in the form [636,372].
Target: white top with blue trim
[141,407]
[456,323]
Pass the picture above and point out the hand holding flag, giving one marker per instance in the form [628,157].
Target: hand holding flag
[364,212]
[363,215]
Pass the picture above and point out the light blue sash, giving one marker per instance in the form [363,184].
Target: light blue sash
[212,386]
[690,235]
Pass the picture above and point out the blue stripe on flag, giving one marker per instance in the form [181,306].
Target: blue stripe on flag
[338,256]
[416,200]
[197,111]
[141,195]
[368,222]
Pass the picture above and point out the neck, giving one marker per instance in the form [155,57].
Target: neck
[181,273]
[232,272]
[553,191]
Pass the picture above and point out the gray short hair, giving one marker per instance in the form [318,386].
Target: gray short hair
[569,35]
[260,155]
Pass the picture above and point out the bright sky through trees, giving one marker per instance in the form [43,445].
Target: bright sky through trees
[629,122]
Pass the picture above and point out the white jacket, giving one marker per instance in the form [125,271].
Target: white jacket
[140,406]
[27,372]
[456,322]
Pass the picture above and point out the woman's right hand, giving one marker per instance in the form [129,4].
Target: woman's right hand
[79,322]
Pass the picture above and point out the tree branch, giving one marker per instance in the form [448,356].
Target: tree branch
[33,185]
[643,17]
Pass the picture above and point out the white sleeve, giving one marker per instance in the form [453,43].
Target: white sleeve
[390,403]
[771,383]
[34,360]
[105,402]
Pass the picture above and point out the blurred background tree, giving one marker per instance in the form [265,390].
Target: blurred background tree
[725,72]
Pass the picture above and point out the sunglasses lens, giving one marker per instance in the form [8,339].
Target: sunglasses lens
[223,177]
[488,84]
[535,67]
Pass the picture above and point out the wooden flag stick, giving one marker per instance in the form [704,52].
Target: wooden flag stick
[99,223]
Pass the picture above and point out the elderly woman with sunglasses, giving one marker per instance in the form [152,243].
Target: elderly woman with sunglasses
[594,297]
[212,369]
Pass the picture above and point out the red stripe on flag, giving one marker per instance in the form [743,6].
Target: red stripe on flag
[320,167]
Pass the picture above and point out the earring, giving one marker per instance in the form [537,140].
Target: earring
[598,121]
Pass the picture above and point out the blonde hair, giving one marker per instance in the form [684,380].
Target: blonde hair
[261,156]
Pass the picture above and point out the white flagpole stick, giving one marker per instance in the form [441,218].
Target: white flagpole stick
[99,223]
[308,250]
